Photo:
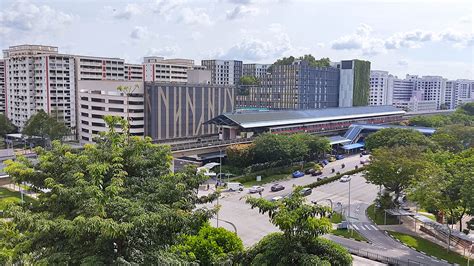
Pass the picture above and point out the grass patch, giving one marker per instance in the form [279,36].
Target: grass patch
[8,196]
[348,234]
[336,218]
[378,216]
[429,248]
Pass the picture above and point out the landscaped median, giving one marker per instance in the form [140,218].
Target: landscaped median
[7,196]
[334,178]
[346,233]
[429,248]
[378,216]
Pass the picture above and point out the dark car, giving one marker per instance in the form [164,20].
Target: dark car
[324,162]
[306,191]
[277,187]
[320,178]
[316,173]
[339,157]
[297,174]
[309,171]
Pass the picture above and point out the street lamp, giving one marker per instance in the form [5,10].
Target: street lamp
[349,207]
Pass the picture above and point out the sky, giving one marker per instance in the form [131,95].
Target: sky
[422,37]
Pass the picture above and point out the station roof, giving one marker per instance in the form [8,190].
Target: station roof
[424,130]
[289,117]
[338,140]
[353,146]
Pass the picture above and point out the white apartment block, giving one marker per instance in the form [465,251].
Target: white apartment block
[224,72]
[167,70]
[99,68]
[2,86]
[433,88]
[381,88]
[256,70]
[37,78]
[415,105]
[134,72]
[459,92]
[402,89]
[99,98]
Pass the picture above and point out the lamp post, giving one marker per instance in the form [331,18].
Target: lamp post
[349,207]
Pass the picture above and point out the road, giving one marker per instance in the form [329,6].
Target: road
[252,226]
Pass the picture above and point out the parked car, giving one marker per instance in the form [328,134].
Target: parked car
[256,189]
[277,187]
[324,162]
[316,173]
[234,186]
[339,157]
[277,198]
[364,161]
[332,159]
[320,178]
[345,178]
[309,171]
[306,191]
[297,174]
[365,152]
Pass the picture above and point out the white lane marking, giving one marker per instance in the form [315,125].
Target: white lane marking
[362,227]
[355,226]
[373,226]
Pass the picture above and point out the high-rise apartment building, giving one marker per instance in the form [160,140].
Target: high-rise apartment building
[255,70]
[381,88]
[2,86]
[354,87]
[224,72]
[99,68]
[159,69]
[134,72]
[39,78]
[295,86]
[458,92]
[432,88]
[402,89]
[97,98]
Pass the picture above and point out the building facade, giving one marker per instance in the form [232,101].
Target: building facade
[175,110]
[134,72]
[99,68]
[2,87]
[381,88]
[97,98]
[224,72]
[354,86]
[255,70]
[167,70]
[295,86]
[39,78]
[459,92]
[432,88]
[402,89]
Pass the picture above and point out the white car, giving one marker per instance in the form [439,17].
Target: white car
[345,178]
[277,198]
[256,189]
[365,161]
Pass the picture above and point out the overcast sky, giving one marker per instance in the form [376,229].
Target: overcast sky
[412,36]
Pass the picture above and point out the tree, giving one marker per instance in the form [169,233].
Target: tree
[249,80]
[110,203]
[395,168]
[240,155]
[323,62]
[316,145]
[299,243]
[211,245]
[6,126]
[391,137]
[454,138]
[467,108]
[449,186]
[45,126]
[430,121]
[270,147]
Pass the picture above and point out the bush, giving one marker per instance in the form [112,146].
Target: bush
[334,178]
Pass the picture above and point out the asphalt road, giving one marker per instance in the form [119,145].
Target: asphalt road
[252,226]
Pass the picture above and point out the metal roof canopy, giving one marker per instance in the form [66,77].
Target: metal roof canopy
[289,117]
[338,140]
[399,212]
[424,130]
[353,146]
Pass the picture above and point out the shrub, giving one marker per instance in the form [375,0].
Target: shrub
[334,178]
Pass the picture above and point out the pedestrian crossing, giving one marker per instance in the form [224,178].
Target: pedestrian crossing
[364,227]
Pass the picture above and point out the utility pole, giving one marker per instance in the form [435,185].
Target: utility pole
[349,212]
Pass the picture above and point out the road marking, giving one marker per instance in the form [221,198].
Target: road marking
[355,226]
[362,227]
[373,226]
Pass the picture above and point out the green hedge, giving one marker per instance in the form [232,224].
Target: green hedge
[334,178]
[273,171]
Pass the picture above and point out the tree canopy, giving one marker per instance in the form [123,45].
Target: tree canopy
[45,126]
[391,137]
[323,62]
[299,243]
[249,80]
[6,126]
[113,202]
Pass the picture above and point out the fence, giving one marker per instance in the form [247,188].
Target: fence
[210,143]
[381,258]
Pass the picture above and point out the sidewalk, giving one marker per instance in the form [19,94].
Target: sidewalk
[408,227]
[14,187]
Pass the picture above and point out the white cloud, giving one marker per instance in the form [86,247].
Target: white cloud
[402,62]
[127,13]
[241,11]
[23,16]
[195,16]
[163,51]
[320,45]
[363,40]
[163,7]
[196,35]
[139,33]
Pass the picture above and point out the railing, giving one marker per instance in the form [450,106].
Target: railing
[210,144]
[381,258]
[353,133]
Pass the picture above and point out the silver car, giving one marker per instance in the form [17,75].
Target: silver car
[256,189]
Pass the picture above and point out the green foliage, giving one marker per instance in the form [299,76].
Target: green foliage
[454,138]
[391,137]
[210,245]
[361,83]
[10,237]
[111,203]
[396,168]
[328,180]
[430,121]
[349,234]
[239,155]
[45,126]
[467,108]
[6,126]
[249,80]
[276,249]
[323,62]
[8,197]
[377,215]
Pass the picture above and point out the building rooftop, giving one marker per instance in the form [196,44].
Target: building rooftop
[288,117]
